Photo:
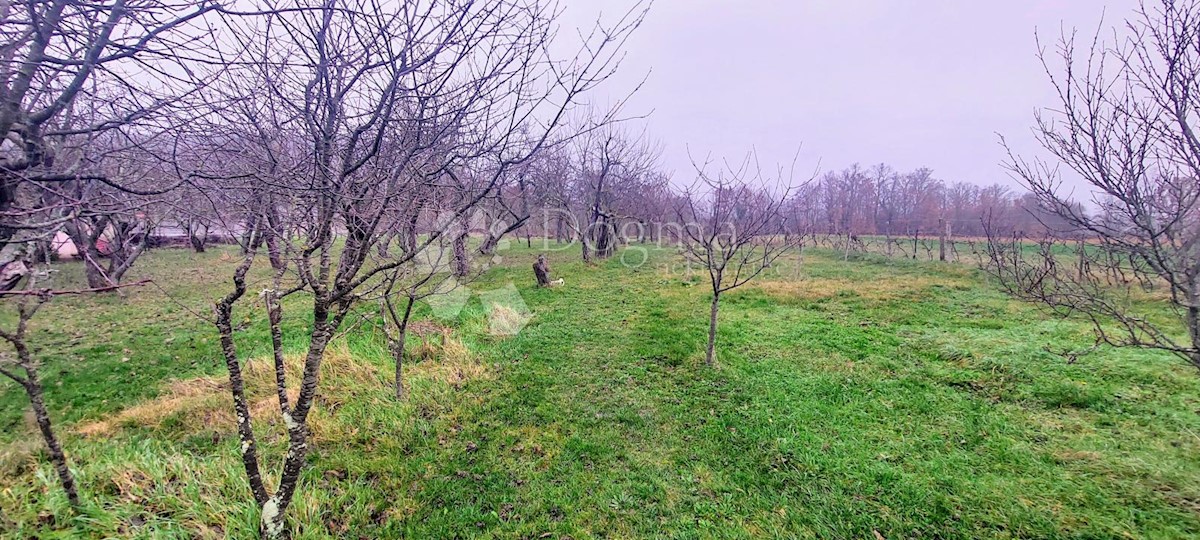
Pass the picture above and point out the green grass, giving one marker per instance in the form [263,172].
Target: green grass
[906,398]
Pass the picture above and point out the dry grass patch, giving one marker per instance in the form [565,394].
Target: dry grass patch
[880,288]
[449,362]
[505,320]
[189,396]
[19,456]
[206,404]
[427,328]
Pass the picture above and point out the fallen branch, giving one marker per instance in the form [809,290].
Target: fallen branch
[51,292]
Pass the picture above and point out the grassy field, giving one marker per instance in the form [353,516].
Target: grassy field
[864,399]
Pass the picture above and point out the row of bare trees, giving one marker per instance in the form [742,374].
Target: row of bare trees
[87,91]
[352,147]
[880,201]
[602,189]
[346,144]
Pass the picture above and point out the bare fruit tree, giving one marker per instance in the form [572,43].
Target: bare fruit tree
[27,306]
[83,87]
[73,75]
[611,164]
[732,225]
[336,113]
[429,274]
[1127,124]
[28,302]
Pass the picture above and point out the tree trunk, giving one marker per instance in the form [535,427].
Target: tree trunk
[462,259]
[197,240]
[492,240]
[489,244]
[274,510]
[44,252]
[247,238]
[381,247]
[9,180]
[91,269]
[33,387]
[1192,319]
[89,252]
[1082,267]
[603,239]
[237,388]
[591,234]
[126,246]
[398,350]
[409,242]
[710,357]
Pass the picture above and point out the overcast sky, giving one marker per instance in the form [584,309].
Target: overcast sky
[909,83]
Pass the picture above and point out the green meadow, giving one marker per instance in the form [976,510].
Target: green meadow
[870,398]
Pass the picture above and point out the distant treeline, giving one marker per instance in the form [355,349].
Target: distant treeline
[883,201]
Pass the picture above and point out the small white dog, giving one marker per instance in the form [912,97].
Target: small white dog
[558,282]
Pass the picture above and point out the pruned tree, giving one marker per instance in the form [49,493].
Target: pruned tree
[429,274]
[733,226]
[1126,123]
[611,163]
[339,111]
[27,302]
[79,81]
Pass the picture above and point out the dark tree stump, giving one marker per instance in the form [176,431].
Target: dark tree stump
[542,271]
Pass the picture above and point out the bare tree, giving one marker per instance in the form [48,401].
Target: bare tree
[343,110]
[27,304]
[26,308]
[433,270]
[1126,124]
[509,209]
[428,275]
[611,164]
[733,227]
[72,72]
[110,225]
[195,211]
